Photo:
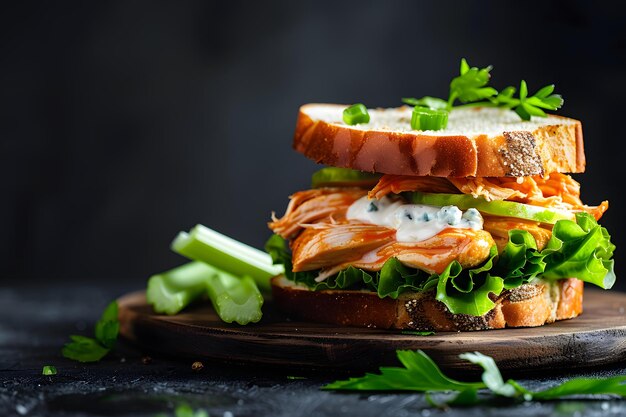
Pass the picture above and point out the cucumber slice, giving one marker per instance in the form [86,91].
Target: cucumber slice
[332,176]
[498,207]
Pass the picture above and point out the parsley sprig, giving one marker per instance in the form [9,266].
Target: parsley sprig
[421,373]
[87,349]
[526,106]
[471,88]
[471,85]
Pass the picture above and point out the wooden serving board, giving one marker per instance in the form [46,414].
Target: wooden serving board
[597,337]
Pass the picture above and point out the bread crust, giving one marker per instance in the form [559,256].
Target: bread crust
[533,304]
[554,147]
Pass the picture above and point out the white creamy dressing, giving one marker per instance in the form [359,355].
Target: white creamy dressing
[413,222]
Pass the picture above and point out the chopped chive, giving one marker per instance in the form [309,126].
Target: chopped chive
[49,370]
[356,114]
[372,207]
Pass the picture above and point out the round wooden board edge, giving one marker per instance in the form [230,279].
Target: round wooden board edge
[573,347]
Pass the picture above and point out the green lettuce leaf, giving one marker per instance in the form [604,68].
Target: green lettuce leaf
[349,278]
[395,278]
[580,249]
[520,261]
[468,291]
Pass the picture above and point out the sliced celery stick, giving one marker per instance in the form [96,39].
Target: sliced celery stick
[227,254]
[171,291]
[235,299]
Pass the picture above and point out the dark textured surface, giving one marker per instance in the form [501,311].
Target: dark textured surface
[36,321]
[124,122]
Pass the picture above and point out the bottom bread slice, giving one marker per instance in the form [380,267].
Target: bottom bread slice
[530,305]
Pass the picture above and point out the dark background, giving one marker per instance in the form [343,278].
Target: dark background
[124,122]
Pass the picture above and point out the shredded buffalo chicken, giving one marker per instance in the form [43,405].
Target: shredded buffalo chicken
[333,247]
[323,239]
[313,206]
[552,191]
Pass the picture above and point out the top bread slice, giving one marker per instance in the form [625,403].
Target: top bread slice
[478,142]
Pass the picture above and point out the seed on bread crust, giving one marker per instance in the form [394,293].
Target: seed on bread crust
[520,156]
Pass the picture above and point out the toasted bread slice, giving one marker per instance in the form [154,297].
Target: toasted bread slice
[529,305]
[478,142]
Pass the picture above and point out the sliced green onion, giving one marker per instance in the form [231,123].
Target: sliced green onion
[424,118]
[171,291]
[333,176]
[227,254]
[49,370]
[356,114]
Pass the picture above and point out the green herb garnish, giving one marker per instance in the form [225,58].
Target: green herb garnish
[470,85]
[427,101]
[49,370]
[416,333]
[471,88]
[185,410]
[526,106]
[87,349]
[108,326]
[356,114]
[420,373]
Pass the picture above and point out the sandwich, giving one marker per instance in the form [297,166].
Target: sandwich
[441,215]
